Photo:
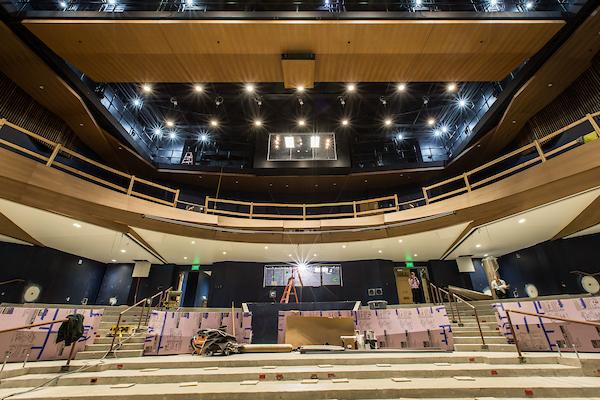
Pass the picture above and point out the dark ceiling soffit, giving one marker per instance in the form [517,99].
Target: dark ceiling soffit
[60,68]
[291,15]
[492,117]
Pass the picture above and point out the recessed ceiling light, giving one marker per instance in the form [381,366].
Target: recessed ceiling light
[478,245]
[345,122]
[42,87]
[157,131]
[63,4]
[224,252]
[315,254]
[172,135]
[113,260]
[301,122]
[400,240]
[451,87]
[344,246]
[387,122]
[550,85]
[401,87]
[123,251]
[137,102]
[485,255]
[462,103]
[203,137]
[185,258]
[249,87]
[351,87]
[380,251]
[198,88]
[399,136]
[266,247]
[147,88]
[257,123]
[77,225]
[289,255]
[214,123]
[300,89]
[522,220]
[415,255]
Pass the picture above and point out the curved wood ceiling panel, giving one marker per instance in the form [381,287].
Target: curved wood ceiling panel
[236,51]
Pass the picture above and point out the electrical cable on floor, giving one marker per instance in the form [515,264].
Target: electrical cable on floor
[81,369]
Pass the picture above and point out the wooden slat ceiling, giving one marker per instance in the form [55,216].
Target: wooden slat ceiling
[250,51]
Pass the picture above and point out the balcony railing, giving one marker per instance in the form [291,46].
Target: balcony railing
[54,155]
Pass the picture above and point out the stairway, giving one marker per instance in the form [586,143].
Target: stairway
[128,346]
[466,333]
[311,376]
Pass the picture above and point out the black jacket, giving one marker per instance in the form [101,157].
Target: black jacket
[71,330]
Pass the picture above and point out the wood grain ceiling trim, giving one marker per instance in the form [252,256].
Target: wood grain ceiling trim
[589,217]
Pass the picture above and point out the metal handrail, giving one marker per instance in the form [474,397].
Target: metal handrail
[438,295]
[512,328]
[483,345]
[11,281]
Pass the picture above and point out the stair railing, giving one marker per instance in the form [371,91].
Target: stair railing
[458,299]
[438,296]
[512,328]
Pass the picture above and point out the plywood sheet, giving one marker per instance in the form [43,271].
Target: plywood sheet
[301,330]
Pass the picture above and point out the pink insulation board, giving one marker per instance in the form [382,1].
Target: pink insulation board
[40,342]
[542,334]
[407,328]
[170,332]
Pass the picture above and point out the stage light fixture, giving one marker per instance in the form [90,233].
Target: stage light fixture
[147,88]
[387,122]
[300,89]
[431,121]
[257,123]
[301,122]
[345,122]
[198,88]
[351,87]
[401,87]
[452,87]
[214,123]
[250,88]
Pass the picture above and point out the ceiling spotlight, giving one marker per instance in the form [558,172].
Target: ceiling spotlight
[185,258]
[203,137]
[249,87]
[157,131]
[462,103]
[123,251]
[431,121]
[345,122]
[452,87]
[344,246]
[147,88]
[478,245]
[169,123]
[436,132]
[113,260]
[444,129]
[399,240]
[529,5]
[380,251]
[63,4]
[266,247]
[401,87]
[172,135]
[193,242]
[399,137]
[198,88]
[77,225]
[415,255]
[301,122]
[137,102]
[300,89]
[257,123]
[387,122]
[224,252]
[351,87]
[522,221]
[214,123]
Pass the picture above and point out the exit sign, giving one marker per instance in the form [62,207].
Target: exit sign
[410,264]
[195,268]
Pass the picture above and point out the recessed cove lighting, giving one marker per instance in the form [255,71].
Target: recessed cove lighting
[522,221]
[77,225]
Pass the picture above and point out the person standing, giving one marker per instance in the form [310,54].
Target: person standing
[415,287]
[500,288]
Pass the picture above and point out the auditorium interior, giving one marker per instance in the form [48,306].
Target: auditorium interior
[307,199]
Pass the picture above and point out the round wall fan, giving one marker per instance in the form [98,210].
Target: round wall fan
[31,293]
[531,290]
[590,284]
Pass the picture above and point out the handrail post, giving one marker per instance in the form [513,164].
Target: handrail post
[303,212]
[142,314]
[452,308]
[251,210]
[539,150]
[514,335]
[594,124]
[460,323]
[425,196]
[55,152]
[354,208]
[467,184]
[396,205]
[483,345]
[112,344]
[176,198]
[130,188]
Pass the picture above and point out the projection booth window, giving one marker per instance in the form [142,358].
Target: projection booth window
[301,147]
[312,275]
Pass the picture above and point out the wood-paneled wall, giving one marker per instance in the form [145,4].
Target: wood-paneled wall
[18,107]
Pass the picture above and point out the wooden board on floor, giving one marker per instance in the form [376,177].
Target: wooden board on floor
[302,331]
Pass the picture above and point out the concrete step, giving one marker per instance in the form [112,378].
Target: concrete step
[109,324]
[477,340]
[491,347]
[108,339]
[123,346]
[112,377]
[529,386]
[473,325]
[94,355]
